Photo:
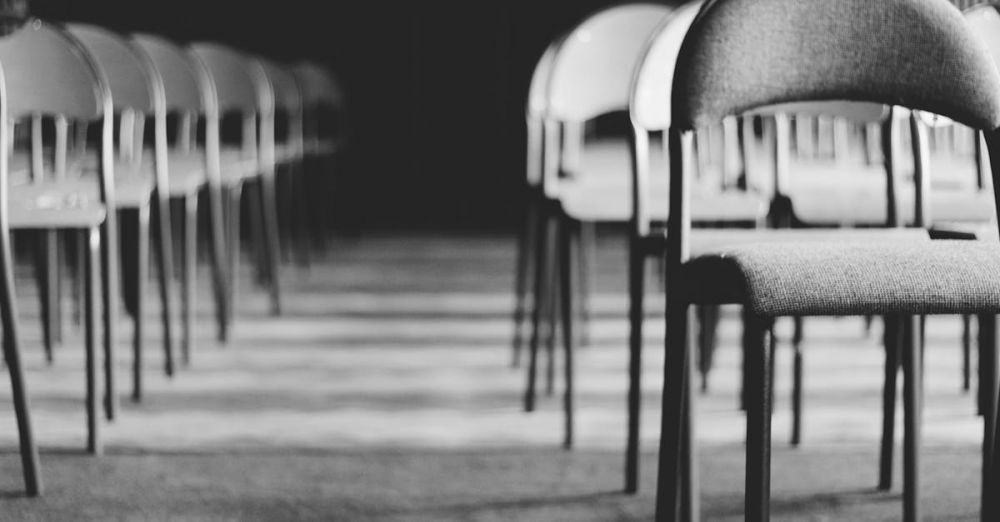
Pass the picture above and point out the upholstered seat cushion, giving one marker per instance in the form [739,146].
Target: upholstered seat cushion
[851,278]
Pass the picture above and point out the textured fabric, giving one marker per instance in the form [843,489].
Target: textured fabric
[853,278]
[742,54]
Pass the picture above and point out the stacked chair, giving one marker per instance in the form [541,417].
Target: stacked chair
[105,134]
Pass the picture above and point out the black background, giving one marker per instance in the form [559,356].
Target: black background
[436,89]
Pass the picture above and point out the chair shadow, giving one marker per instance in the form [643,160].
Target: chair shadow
[450,510]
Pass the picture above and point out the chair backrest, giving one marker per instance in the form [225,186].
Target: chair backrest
[130,76]
[593,66]
[538,89]
[236,86]
[743,54]
[649,105]
[287,95]
[985,20]
[45,70]
[319,87]
[174,68]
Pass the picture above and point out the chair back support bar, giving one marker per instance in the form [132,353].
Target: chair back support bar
[743,54]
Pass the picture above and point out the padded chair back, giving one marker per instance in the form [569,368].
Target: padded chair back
[173,67]
[593,66]
[287,96]
[538,89]
[744,54]
[130,76]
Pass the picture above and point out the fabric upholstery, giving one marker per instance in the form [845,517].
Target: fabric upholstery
[851,278]
[742,54]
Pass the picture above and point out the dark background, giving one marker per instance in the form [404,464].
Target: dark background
[436,89]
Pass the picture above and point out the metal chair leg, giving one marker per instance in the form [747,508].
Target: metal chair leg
[522,278]
[586,252]
[636,285]
[272,241]
[541,300]
[189,273]
[676,399]
[140,285]
[989,385]
[758,452]
[912,409]
[566,307]
[796,438]
[12,356]
[44,263]
[966,352]
[892,339]
[555,304]
[220,279]
[110,292]
[235,194]
[94,445]
[164,254]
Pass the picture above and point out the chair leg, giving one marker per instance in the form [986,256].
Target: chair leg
[12,356]
[140,285]
[636,285]
[110,292]
[991,439]
[220,278]
[541,300]
[676,400]
[892,339]
[586,252]
[92,305]
[758,452]
[164,255]
[522,277]
[235,252]
[708,323]
[912,408]
[189,267]
[45,277]
[566,308]
[796,438]
[989,385]
[552,312]
[966,352]
[272,241]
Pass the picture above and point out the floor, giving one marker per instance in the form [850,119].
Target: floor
[391,369]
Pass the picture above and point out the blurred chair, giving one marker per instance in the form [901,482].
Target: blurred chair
[232,79]
[948,72]
[140,180]
[49,75]
[528,246]
[184,159]
[326,131]
[293,195]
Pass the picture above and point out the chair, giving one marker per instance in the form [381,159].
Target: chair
[235,82]
[527,247]
[49,74]
[185,161]
[811,55]
[289,147]
[140,180]
[326,132]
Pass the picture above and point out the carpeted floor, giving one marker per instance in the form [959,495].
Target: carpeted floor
[386,393]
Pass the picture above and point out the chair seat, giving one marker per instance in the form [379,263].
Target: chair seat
[236,166]
[52,205]
[286,153]
[851,278]
[607,200]
[863,202]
